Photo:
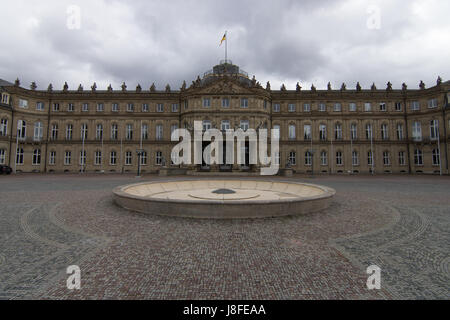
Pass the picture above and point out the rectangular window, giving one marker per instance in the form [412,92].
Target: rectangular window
[130,107]
[276,107]
[382,106]
[322,107]
[384,132]
[144,132]
[434,129]
[307,132]
[338,132]
[144,158]
[323,132]
[398,106]
[67,158]
[38,131]
[115,107]
[113,158]
[159,158]
[145,107]
[400,135]
[352,107]
[69,130]
[19,158]
[4,127]
[355,158]
[56,107]
[129,132]
[225,125]
[436,158]
[84,131]
[159,132]
[160,107]
[401,158]
[354,131]
[433,103]
[306,107]
[100,107]
[323,158]
[292,158]
[292,134]
[85,107]
[83,157]
[2,156]
[98,158]
[415,105]
[128,158]
[339,161]
[23,103]
[418,157]
[54,132]
[114,131]
[367,107]
[99,132]
[386,158]
[70,107]
[369,158]
[36,157]
[206,102]
[244,103]
[244,125]
[337,107]
[291,107]
[40,106]
[369,131]
[175,107]
[225,103]
[417,131]
[52,158]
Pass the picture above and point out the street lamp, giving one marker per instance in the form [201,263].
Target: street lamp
[139,154]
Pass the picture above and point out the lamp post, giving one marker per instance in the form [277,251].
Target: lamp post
[139,154]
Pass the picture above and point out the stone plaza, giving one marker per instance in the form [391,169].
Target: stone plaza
[400,223]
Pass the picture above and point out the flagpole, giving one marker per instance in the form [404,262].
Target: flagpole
[226,46]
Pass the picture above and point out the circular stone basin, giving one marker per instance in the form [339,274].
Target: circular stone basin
[223,199]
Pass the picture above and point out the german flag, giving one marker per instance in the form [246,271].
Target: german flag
[223,38]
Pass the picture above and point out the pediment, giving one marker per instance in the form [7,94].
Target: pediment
[224,86]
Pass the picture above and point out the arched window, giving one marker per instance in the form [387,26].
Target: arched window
[19,157]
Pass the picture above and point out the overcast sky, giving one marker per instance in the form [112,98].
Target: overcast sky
[145,41]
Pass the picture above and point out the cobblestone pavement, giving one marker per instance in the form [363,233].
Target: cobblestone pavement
[400,223]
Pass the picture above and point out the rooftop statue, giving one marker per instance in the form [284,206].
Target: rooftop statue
[439,80]
[183,86]
[110,89]
[94,87]
[313,88]
[65,87]
[33,86]
[358,87]
[80,88]
[389,86]
[153,87]
[283,87]
[343,87]
[167,88]
[268,86]
[17,82]
[298,88]
[138,88]
[50,88]
[329,86]
[373,87]
[422,85]
[404,86]
[124,87]
[253,81]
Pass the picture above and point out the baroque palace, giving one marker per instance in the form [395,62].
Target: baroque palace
[321,131]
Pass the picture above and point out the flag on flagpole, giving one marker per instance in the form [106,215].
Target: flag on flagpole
[223,38]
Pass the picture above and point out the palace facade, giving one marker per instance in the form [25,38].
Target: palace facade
[321,131]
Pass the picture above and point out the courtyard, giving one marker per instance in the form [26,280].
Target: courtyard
[399,223]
